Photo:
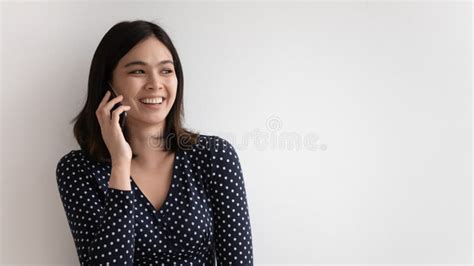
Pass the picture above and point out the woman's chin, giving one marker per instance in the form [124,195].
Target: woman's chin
[154,121]
[150,120]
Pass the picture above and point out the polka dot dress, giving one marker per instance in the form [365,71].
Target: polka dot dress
[203,221]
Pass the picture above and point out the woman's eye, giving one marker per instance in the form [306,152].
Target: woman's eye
[167,71]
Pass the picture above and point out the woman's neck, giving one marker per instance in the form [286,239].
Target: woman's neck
[149,144]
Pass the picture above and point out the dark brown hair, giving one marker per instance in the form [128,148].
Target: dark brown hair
[122,37]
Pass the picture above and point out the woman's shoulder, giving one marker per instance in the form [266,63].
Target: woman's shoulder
[71,157]
[77,165]
[75,161]
[69,161]
[222,158]
[214,144]
[74,158]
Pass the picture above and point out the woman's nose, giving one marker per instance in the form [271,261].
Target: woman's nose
[155,82]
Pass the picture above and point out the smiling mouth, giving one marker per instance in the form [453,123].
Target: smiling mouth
[158,100]
[153,105]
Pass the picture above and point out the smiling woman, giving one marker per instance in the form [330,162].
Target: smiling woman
[130,201]
[140,61]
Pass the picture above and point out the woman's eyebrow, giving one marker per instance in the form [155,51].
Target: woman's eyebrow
[141,63]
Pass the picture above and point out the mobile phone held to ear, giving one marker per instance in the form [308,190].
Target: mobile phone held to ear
[123,115]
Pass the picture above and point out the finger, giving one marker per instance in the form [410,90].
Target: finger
[98,112]
[116,113]
[99,118]
[104,99]
[108,106]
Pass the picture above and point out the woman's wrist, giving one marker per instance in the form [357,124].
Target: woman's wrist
[120,176]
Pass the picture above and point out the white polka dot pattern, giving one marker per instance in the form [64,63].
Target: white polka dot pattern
[203,221]
[229,202]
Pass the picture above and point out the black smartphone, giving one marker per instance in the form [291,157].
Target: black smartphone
[123,115]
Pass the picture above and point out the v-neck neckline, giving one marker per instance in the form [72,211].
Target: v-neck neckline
[167,200]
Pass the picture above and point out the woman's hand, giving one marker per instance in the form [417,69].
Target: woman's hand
[119,149]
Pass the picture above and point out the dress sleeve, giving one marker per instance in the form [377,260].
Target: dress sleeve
[233,232]
[102,227]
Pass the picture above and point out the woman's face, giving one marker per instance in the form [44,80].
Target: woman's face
[146,72]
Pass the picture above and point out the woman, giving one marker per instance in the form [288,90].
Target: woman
[152,192]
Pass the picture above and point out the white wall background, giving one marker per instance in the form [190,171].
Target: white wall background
[384,87]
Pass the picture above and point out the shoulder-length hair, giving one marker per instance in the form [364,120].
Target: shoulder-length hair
[122,37]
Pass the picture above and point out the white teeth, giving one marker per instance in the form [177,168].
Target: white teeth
[152,100]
